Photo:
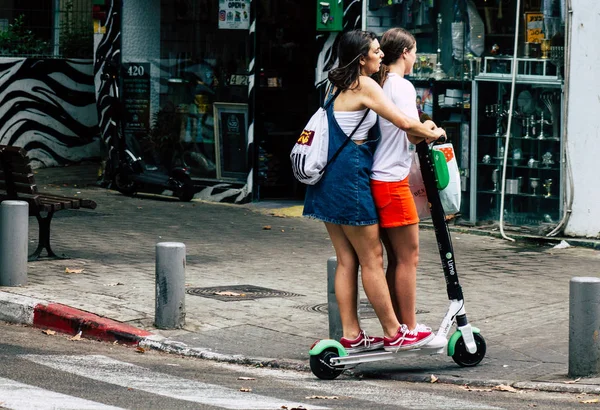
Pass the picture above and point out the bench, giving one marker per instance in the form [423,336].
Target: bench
[17,182]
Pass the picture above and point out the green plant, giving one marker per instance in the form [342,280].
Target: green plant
[76,34]
[17,40]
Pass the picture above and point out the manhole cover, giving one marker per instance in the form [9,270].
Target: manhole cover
[239,292]
[365,309]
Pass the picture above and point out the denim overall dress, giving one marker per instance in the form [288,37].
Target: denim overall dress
[343,195]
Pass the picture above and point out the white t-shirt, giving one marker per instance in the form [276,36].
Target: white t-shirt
[393,156]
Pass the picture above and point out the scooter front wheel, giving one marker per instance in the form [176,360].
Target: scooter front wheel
[321,366]
[461,355]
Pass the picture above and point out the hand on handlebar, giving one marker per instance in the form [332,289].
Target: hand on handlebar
[440,135]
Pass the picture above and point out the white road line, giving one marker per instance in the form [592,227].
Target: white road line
[380,392]
[19,396]
[107,370]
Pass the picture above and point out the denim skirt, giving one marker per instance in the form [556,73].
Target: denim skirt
[343,195]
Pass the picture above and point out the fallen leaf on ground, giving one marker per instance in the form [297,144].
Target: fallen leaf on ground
[76,337]
[469,388]
[116,342]
[323,397]
[246,389]
[69,270]
[504,387]
[49,332]
[246,378]
[433,379]
[229,294]
[573,381]
[589,401]
[140,349]
[267,228]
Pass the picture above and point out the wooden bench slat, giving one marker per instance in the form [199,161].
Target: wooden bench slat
[19,187]
[74,203]
[27,178]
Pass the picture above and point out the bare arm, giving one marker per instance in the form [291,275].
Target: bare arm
[374,98]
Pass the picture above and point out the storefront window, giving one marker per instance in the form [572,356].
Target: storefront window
[204,72]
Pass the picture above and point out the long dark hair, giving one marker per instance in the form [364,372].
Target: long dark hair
[353,44]
[393,42]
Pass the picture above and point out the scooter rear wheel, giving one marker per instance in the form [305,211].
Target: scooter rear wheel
[123,184]
[461,355]
[321,367]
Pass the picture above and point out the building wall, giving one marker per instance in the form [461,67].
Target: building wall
[583,132]
[48,107]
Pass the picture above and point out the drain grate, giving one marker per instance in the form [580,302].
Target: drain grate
[239,292]
[365,309]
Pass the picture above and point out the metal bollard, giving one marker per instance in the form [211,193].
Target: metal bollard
[333,310]
[584,326]
[170,285]
[14,231]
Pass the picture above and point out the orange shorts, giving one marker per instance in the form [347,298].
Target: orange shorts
[395,203]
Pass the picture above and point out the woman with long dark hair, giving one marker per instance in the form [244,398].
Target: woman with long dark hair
[342,198]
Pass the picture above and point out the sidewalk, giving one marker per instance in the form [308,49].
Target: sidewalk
[517,294]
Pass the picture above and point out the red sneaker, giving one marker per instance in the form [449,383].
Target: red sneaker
[408,339]
[362,343]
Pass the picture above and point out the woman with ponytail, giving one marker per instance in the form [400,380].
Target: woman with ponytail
[389,183]
[342,198]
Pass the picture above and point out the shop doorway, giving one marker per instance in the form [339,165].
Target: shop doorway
[285,94]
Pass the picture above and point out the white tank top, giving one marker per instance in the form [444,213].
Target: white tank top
[393,156]
[348,120]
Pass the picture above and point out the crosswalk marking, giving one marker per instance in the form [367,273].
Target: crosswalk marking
[19,396]
[107,370]
[369,390]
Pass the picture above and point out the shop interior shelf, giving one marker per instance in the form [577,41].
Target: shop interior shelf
[520,138]
[523,166]
[521,194]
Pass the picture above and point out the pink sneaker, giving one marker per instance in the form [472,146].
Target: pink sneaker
[408,339]
[362,343]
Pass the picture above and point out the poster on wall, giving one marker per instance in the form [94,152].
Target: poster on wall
[425,101]
[136,99]
[231,137]
[234,14]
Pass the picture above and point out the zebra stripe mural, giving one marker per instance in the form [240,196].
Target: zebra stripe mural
[108,49]
[47,106]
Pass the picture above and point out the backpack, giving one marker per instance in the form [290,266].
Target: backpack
[310,152]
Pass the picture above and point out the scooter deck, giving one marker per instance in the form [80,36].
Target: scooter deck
[378,355]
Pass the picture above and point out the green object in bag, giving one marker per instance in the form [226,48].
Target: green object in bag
[440,167]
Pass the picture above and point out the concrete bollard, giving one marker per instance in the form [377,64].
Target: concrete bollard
[584,326]
[170,285]
[333,310]
[14,231]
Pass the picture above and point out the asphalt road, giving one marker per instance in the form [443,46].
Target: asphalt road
[41,371]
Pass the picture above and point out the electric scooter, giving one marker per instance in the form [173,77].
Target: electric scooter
[466,346]
[132,174]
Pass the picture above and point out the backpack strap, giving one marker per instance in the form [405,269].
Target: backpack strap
[334,156]
[331,96]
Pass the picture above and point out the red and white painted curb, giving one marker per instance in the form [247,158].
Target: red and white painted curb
[61,318]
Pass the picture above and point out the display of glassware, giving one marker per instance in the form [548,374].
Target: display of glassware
[548,186]
[534,183]
[533,163]
[495,178]
[547,159]
[486,159]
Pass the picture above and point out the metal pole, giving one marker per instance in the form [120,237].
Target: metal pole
[14,230]
[170,285]
[335,321]
[584,326]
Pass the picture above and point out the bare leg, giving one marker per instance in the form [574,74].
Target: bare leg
[390,272]
[366,243]
[346,281]
[404,242]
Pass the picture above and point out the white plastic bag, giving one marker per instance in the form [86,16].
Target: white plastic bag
[309,154]
[450,196]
